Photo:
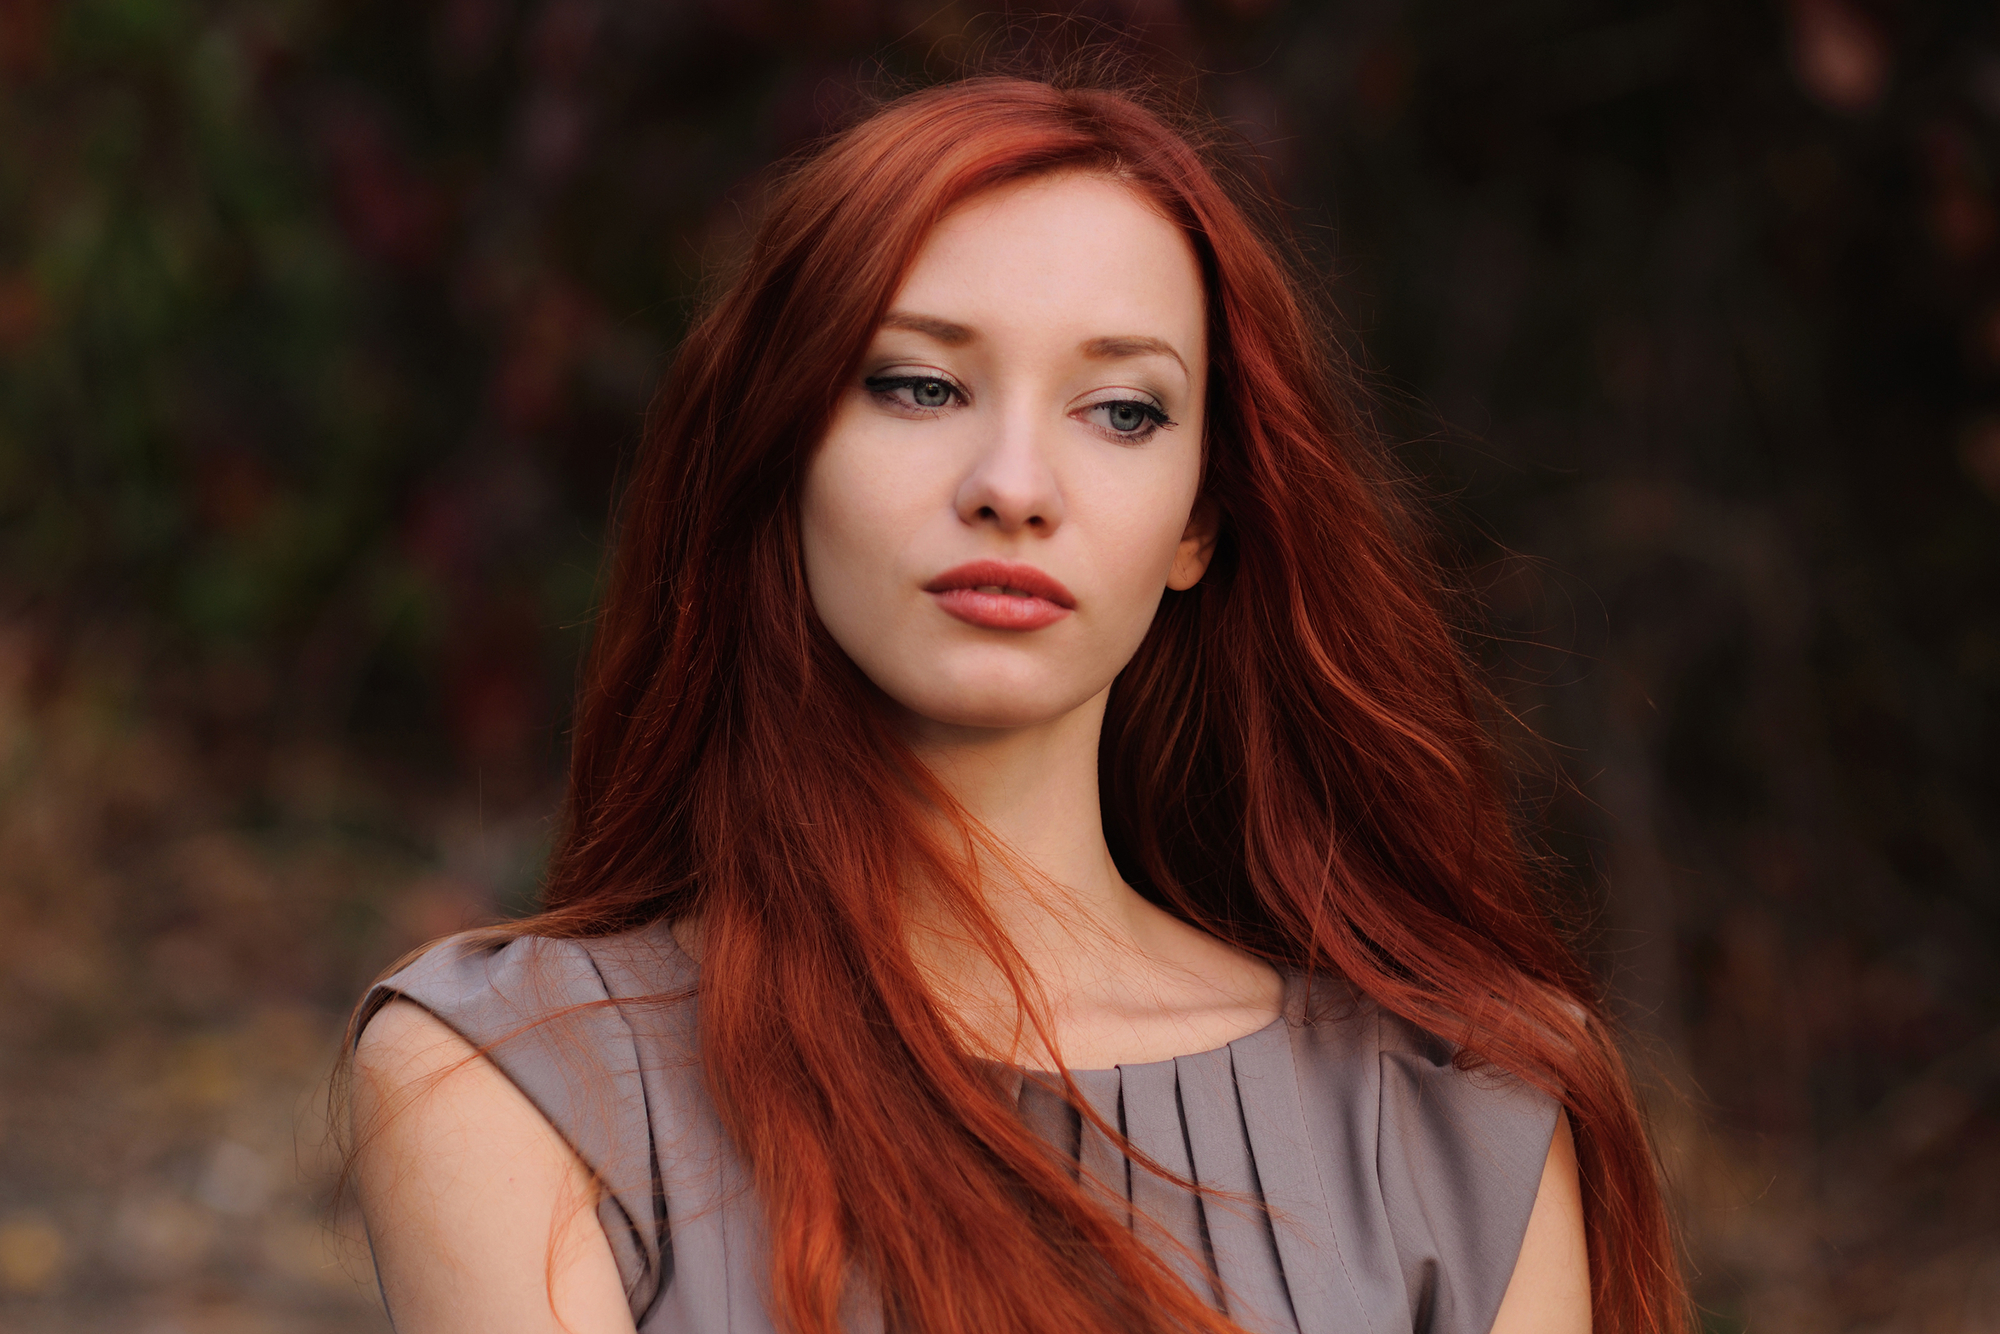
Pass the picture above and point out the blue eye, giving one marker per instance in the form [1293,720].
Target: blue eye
[1125,416]
[1130,417]
[924,391]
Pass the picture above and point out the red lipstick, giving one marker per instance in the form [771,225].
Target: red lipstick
[1001,595]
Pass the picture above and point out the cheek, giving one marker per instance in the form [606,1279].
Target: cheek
[849,531]
[1142,525]
[833,547]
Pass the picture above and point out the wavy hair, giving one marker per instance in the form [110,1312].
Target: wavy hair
[1295,761]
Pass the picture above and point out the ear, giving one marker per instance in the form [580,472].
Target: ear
[1197,545]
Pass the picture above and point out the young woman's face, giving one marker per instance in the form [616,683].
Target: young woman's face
[1008,484]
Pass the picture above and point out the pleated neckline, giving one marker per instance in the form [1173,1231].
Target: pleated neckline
[1291,1010]
[1229,1120]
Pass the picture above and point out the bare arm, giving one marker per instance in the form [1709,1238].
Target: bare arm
[482,1218]
[1550,1290]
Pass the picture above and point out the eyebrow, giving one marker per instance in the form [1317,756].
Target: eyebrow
[1112,348]
[1131,345]
[944,331]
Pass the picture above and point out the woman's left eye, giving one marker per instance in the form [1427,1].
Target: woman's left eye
[1130,417]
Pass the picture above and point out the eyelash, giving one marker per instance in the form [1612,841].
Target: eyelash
[886,386]
[1155,416]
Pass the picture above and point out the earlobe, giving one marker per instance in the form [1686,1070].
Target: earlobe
[1197,546]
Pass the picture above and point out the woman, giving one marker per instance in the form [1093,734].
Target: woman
[1032,858]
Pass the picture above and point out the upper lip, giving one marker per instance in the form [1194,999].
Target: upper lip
[1003,574]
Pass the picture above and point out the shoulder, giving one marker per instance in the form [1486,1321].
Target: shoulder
[402,1043]
[486,985]
[417,1080]
[1425,1103]
[1404,1067]
[575,1026]
[453,1240]
[1461,1145]
[1456,1155]
[537,1047]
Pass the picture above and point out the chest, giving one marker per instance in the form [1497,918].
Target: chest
[1287,1230]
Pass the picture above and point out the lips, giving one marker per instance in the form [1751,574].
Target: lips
[1001,595]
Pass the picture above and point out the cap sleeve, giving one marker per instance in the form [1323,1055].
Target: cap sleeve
[1460,1158]
[540,1010]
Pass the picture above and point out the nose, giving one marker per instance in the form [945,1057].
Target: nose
[1010,483]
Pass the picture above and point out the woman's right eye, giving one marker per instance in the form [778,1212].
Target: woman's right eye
[917,391]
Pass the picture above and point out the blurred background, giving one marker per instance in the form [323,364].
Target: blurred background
[325,326]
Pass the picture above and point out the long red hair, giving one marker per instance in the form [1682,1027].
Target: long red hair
[1294,760]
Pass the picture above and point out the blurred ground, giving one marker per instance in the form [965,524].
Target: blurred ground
[173,982]
[325,326]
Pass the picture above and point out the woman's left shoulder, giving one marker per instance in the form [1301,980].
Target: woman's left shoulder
[1456,1148]
[1342,1032]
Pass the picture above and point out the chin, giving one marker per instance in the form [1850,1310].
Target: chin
[995,705]
[986,714]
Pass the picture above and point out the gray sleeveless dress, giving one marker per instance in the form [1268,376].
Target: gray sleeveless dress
[1396,1188]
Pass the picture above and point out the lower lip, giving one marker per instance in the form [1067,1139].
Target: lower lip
[999,611]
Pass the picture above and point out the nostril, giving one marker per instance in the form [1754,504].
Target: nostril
[986,512]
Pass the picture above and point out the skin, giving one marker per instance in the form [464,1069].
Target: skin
[1042,307]
[1030,314]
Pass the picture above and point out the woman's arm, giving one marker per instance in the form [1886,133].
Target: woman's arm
[1550,1290]
[482,1219]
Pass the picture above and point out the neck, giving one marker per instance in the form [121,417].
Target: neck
[1121,979]
[1035,789]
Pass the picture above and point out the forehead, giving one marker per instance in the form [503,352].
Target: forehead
[1066,255]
